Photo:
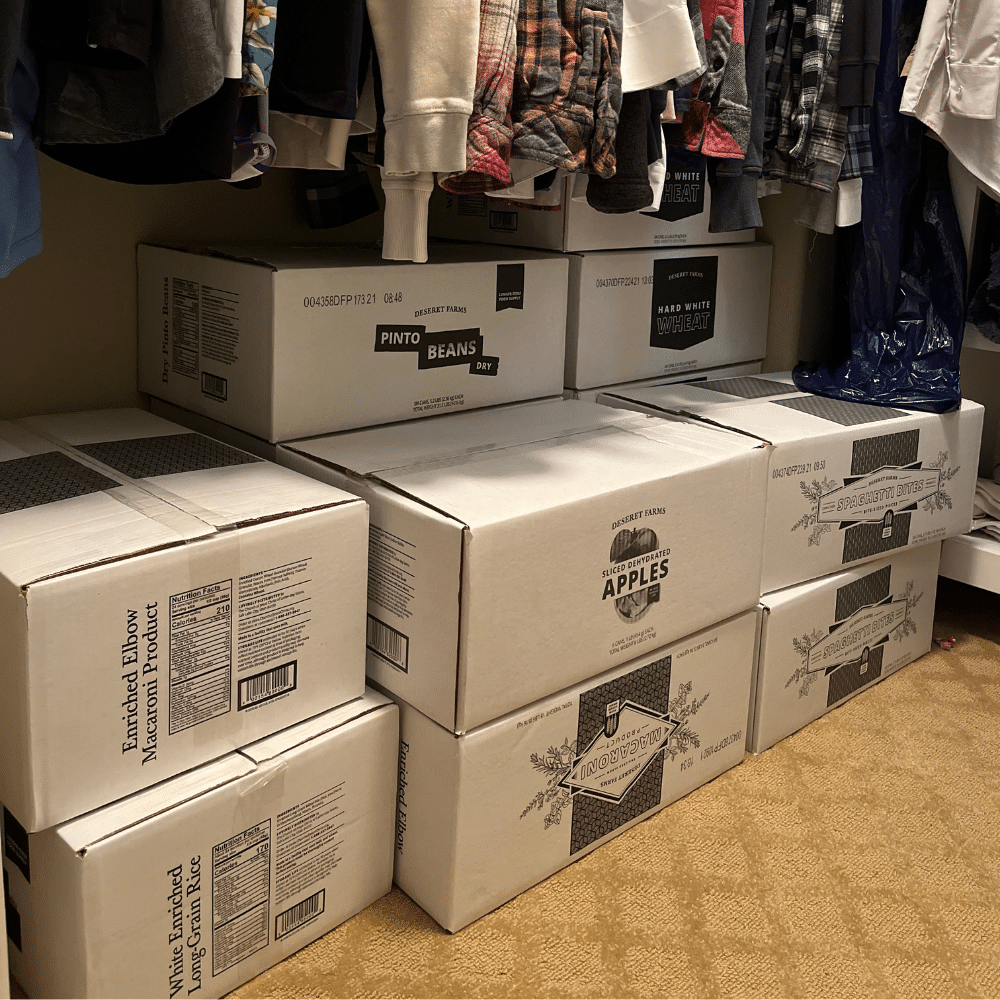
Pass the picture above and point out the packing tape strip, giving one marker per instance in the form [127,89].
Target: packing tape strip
[263,790]
[176,513]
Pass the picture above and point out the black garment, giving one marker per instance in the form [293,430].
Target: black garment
[197,146]
[117,34]
[859,53]
[654,129]
[11,15]
[627,190]
[337,197]
[321,56]
[984,272]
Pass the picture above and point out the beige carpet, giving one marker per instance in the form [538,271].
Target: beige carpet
[860,857]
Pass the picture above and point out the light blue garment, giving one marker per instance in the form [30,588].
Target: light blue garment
[20,198]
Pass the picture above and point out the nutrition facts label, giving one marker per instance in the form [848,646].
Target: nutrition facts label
[185,324]
[201,654]
[241,891]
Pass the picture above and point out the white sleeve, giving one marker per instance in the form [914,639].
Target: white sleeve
[658,43]
[427,51]
[229,18]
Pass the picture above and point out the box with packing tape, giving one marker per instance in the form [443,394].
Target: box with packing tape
[847,482]
[591,395]
[195,886]
[164,599]
[561,219]
[483,816]
[824,641]
[519,550]
[636,314]
[294,341]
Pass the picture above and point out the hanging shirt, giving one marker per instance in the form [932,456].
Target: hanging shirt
[20,200]
[658,44]
[954,81]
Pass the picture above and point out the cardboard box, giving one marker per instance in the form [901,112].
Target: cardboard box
[484,816]
[518,551]
[847,482]
[289,342]
[164,599]
[825,641]
[636,314]
[197,885]
[591,395]
[574,225]
[4,972]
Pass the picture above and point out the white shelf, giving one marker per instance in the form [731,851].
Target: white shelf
[972,559]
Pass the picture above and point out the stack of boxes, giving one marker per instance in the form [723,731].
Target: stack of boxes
[195,782]
[559,602]
[859,499]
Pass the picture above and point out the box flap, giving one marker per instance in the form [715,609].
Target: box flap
[312,255]
[90,829]
[84,488]
[491,466]
[279,743]
[769,407]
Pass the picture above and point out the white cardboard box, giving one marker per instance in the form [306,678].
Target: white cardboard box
[574,225]
[484,816]
[848,482]
[825,641]
[591,395]
[195,886]
[290,342]
[520,550]
[164,599]
[636,314]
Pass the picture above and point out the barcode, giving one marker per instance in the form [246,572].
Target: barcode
[301,913]
[268,684]
[503,220]
[387,643]
[214,385]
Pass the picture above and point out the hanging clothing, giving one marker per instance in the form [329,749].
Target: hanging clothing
[491,130]
[658,44]
[734,203]
[20,199]
[859,54]
[91,100]
[954,82]
[629,189]
[718,120]
[11,18]
[567,84]
[817,158]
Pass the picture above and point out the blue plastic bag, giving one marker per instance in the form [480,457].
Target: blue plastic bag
[907,288]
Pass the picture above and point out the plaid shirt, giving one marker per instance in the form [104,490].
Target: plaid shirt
[858,160]
[816,157]
[568,83]
[490,126]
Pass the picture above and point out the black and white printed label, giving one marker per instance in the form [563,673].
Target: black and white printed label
[241,896]
[682,310]
[612,763]
[639,564]
[308,846]
[616,773]
[15,844]
[437,349]
[510,286]
[868,498]
[275,610]
[683,188]
[201,655]
[849,639]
